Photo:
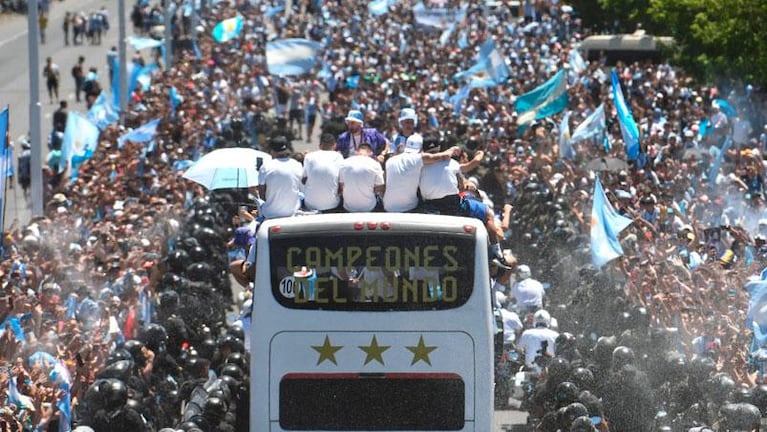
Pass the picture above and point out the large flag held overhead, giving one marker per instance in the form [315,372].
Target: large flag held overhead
[102,112]
[291,56]
[490,69]
[545,100]
[726,108]
[5,160]
[228,29]
[142,134]
[629,129]
[139,43]
[606,225]
[457,99]
[379,7]
[79,143]
[591,127]
[15,397]
[441,18]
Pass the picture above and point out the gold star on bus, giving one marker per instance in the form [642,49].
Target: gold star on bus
[374,351]
[327,351]
[421,352]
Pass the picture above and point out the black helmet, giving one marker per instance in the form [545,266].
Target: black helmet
[154,337]
[117,355]
[622,356]
[197,254]
[207,236]
[557,370]
[207,348]
[701,367]
[237,359]
[214,409]
[199,272]
[237,332]
[573,411]
[188,425]
[582,377]
[196,367]
[603,350]
[233,371]
[135,348]
[759,397]
[115,393]
[232,384]
[742,395]
[582,424]
[120,370]
[177,260]
[565,340]
[232,343]
[566,393]
[169,299]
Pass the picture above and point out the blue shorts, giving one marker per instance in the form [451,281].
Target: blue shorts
[474,209]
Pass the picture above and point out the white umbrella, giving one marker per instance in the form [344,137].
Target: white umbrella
[227,168]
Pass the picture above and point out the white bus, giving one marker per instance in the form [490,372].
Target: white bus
[372,322]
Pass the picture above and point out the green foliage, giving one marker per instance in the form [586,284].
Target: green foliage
[716,39]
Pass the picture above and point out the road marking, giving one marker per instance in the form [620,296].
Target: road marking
[11,39]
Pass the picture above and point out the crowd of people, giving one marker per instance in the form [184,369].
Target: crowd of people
[117,306]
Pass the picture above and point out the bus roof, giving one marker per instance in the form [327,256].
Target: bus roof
[372,221]
[638,41]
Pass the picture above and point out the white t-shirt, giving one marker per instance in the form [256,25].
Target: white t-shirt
[511,323]
[528,292]
[321,170]
[360,175]
[439,179]
[531,340]
[403,172]
[282,178]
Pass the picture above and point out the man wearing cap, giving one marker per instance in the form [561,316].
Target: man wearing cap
[280,182]
[361,180]
[403,172]
[408,121]
[321,170]
[349,142]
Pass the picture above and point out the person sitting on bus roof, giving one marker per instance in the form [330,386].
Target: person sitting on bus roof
[361,181]
[403,170]
[321,174]
[441,184]
[280,182]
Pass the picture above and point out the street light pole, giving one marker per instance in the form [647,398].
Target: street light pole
[170,10]
[123,84]
[35,133]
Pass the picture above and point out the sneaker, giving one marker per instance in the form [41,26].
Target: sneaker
[500,262]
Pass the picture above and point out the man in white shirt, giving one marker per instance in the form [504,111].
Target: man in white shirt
[321,176]
[403,172]
[533,340]
[527,291]
[280,182]
[440,182]
[512,325]
[361,180]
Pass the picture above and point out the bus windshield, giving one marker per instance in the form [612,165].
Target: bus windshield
[372,271]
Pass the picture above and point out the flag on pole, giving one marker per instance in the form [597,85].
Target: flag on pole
[629,129]
[566,150]
[489,70]
[726,108]
[457,99]
[81,137]
[545,100]
[577,64]
[102,113]
[228,29]
[16,398]
[5,159]
[142,134]
[592,126]
[606,225]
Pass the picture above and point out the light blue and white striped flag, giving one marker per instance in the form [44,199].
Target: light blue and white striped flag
[545,100]
[228,29]
[606,226]
[142,134]
[592,126]
[629,129]
[81,137]
[139,43]
[291,56]
[490,69]
[566,150]
[102,112]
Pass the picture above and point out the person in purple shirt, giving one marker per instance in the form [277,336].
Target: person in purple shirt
[348,142]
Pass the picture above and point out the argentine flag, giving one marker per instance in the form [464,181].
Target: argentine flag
[545,100]
[228,29]
[606,226]
[629,129]
[291,56]
[81,137]
[591,127]
[142,134]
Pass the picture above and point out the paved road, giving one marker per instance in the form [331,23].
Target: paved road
[14,75]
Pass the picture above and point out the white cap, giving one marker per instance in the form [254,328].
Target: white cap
[414,143]
[408,114]
[542,317]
